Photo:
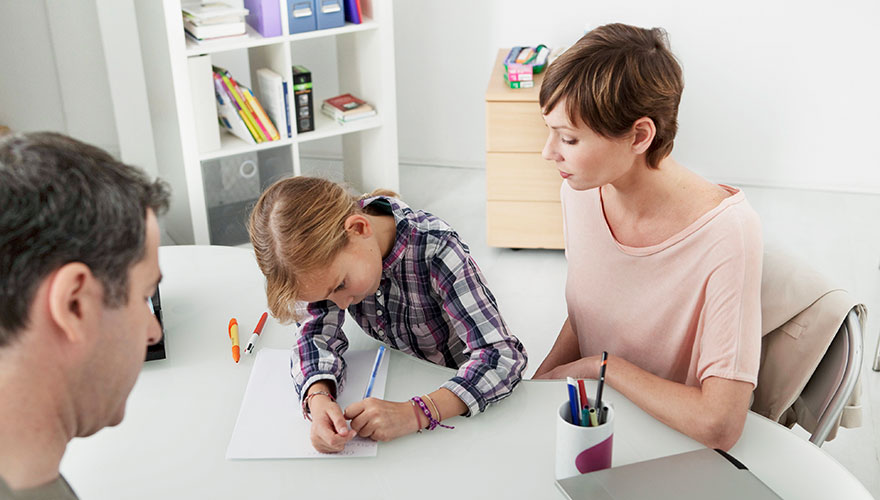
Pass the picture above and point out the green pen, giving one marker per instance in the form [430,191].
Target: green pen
[594,419]
[585,418]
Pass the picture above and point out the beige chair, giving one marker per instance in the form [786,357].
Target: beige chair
[811,352]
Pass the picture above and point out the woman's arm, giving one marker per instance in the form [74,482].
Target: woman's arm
[565,350]
[713,414]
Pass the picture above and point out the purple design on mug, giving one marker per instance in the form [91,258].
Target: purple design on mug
[595,457]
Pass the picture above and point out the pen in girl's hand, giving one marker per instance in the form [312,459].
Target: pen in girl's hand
[375,371]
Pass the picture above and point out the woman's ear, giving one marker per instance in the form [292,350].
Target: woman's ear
[358,225]
[643,134]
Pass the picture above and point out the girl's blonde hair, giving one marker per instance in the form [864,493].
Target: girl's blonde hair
[297,226]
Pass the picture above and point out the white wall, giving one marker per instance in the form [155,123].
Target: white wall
[53,73]
[776,93]
[30,97]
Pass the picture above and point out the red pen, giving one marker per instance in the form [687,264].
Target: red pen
[257,331]
[585,403]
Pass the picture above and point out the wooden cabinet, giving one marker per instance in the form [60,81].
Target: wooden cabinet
[522,189]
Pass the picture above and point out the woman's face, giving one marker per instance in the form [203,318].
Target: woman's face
[584,158]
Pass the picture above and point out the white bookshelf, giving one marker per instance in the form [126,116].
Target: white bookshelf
[365,66]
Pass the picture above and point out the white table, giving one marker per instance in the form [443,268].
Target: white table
[181,413]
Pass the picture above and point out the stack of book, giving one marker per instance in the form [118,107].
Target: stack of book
[346,108]
[212,20]
[240,112]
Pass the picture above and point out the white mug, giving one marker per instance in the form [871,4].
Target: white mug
[582,449]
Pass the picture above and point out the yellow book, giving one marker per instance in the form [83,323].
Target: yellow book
[260,113]
[243,109]
[257,137]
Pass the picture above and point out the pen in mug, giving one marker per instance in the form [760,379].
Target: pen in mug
[375,371]
[599,406]
[583,403]
[573,402]
[257,331]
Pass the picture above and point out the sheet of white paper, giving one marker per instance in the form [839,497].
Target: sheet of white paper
[270,422]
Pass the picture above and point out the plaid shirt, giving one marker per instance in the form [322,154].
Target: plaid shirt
[432,303]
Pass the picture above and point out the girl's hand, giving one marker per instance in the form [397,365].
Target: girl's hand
[382,420]
[329,430]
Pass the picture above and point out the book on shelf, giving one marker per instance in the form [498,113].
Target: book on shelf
[208,31]
[259,113]
[247,106]
[205,12]
[210,20]
[228,115]
[273,93]
[303,108]
[238,101]
[346,107]
[353,11]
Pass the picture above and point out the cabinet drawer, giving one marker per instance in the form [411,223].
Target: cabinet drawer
[521,177]
[515,127]
[525,224]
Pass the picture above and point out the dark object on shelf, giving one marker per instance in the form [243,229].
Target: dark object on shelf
[302,99]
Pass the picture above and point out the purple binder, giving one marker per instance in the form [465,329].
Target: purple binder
[352,12]
[264,16]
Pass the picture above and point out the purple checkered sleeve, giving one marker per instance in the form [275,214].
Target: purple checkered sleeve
[432,303]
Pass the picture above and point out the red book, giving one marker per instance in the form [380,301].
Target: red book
[347,107]
[345,102]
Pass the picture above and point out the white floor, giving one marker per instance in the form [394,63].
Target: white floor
[834,231]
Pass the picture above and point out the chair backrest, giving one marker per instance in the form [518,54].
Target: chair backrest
[811,349]
[834,380]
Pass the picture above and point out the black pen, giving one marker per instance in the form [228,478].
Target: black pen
[599,408]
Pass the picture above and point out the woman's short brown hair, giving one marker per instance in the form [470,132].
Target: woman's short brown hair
[614,75]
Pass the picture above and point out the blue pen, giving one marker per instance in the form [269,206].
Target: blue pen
[375,371]
[573,402]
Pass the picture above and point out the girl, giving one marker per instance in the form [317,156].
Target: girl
[664,267]
[407,279]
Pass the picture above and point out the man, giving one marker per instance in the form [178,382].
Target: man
[78,261]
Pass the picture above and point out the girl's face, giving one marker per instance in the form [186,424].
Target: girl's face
[353,275]
[584,158]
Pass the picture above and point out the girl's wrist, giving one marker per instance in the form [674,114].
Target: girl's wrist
[419,417]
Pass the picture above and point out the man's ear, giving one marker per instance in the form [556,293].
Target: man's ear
[75,298]
[644,131]
[358,225]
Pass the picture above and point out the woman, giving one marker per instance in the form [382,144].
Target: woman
[664,266]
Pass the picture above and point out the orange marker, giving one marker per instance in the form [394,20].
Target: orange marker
[233,334]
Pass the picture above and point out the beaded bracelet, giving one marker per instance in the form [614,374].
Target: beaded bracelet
[305,403]
[432,422]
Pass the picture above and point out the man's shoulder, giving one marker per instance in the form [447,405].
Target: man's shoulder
[59,489]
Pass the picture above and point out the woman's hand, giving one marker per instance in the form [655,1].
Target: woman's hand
[382,420]
[582,368]
[329,431]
